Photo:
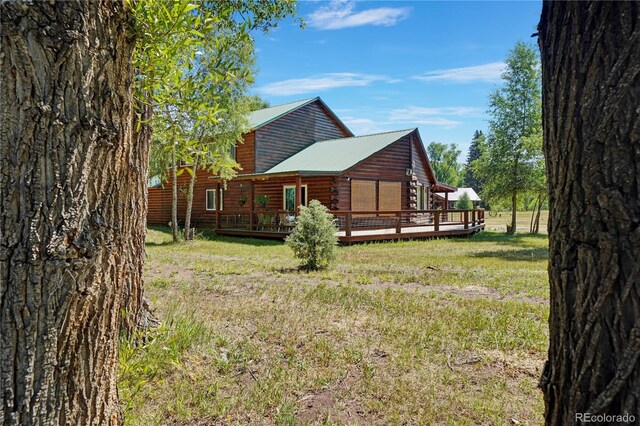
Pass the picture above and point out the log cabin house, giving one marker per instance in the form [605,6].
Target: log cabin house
[301,151]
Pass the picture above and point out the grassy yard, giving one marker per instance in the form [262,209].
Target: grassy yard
[523,219]
[449,331]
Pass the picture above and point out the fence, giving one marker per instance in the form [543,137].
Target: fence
[283,221]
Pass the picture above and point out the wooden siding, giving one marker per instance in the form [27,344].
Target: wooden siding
[288,135]
[420,167]
[160,200]
[245,153]
[319,188]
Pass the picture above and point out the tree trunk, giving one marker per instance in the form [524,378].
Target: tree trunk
[590,54]
[174,194]
[137,313]
[533,216]
[514,210]
[187,217]
[72,206]
[536,225]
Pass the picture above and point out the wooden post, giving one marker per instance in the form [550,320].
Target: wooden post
[466,219]
[446,201]
[436,221]
[298,193]
[347,225]
[251,205]
[473,217]
[217,198]
[399,223]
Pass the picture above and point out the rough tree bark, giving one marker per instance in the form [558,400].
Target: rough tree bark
[590,54]
[72,203]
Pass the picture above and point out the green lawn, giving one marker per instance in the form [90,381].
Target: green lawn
[449,331]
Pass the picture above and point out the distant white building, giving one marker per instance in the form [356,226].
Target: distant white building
[452,198]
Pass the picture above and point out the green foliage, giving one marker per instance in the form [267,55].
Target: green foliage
[464,203]
[444,161]
[314,239]
[262,200]
[194,63]
[471,179]
[511,162]
[256,102]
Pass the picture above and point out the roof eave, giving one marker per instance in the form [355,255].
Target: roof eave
[443,187]
[254,176]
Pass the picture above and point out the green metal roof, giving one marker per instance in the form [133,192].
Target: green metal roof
[337,155]
[267,115]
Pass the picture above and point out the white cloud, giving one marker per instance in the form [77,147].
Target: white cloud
[432,116]
[488,73]
[318,83]
[341,14]
[414,112]
[365,126]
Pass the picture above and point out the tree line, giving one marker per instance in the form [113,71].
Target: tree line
[506,166]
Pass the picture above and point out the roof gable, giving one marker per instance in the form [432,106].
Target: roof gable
[264,116]
[260,117]
[337,155]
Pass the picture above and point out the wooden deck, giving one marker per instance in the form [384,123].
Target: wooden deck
[359,226]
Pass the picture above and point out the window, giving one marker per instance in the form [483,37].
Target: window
[211,199]
[390,196]
[363,195]
[289,197]
[213,150]
[420,205]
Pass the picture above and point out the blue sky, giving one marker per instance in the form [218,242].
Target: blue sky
[390,65]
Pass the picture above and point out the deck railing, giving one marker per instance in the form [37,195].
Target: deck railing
[283,221]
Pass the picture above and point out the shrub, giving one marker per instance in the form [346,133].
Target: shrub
[262,200]
[464,203]
[314,239]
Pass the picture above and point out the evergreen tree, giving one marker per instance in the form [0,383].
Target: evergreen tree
[475,150]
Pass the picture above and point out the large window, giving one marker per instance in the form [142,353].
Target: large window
[390,197]
[363,195]
[289,197]
[211,199]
